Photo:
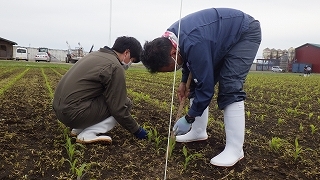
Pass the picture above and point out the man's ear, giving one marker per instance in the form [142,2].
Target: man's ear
[173,52]
[127,51]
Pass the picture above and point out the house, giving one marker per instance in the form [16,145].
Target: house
[6,48]
[308,54]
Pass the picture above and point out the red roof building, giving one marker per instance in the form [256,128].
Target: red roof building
[309,54]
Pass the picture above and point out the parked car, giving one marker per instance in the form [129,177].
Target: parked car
[42,56]
[21,54]
[276,69]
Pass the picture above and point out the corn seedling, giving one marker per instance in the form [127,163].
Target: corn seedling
[150,132]
[158,139]
[281,121]
[72,165]
[71,149]
[262,117]
[80,171]
[301,127]
[310,115]
[65,132]
[313,128]
[221,124]
[276,143]
[188,157]
[210,119]
[248,114]
[297,150]
[293,112]
[172,144]
[153,135]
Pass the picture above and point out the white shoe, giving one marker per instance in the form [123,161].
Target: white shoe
[198,130]
[90,134]
[75,132]
[234,121]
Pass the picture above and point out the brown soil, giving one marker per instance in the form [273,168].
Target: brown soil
[33,142]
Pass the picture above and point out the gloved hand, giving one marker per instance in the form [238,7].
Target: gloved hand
[141,133]
[181,126]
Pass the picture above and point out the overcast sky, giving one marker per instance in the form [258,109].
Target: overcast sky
[50,23]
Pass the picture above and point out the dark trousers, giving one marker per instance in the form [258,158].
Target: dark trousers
[234,67]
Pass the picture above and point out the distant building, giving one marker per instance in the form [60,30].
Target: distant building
[308,54]
[6,48]
[276,57]
[8,51]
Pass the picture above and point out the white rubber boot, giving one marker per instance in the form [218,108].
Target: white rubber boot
[90,134]
[75,132]
[234,122]
[198,130]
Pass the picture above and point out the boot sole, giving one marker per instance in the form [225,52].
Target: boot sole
[73,134]
[228,165]
[193,140]
[101,141]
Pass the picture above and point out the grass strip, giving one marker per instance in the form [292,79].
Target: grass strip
[8,85]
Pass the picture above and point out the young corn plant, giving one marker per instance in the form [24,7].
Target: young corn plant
[221,124]
[310,115]
[301,127]
[297,150]
[248,114]
[172,144]
[72,165]
[313,128]
[188,157]
[276,143]
[281,121]
[149,130]
[80,171]
[157,139]
[153,135]
[71,149]
[261,118]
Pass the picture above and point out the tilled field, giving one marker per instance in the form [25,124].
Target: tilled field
[282,131]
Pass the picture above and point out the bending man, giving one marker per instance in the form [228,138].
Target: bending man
[215,45]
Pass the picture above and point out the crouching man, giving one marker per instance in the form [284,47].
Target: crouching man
[91,98]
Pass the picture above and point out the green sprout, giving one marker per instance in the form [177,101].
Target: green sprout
[188,157]
[281,121]
[313,128]
[276,143]
[80,171]
[310,115]
[301,127]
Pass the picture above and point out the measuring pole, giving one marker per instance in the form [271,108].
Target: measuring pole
[173,84]
[110,23]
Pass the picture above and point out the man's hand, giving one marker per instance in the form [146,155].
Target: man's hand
[182,91]
[181,126]
[141,133]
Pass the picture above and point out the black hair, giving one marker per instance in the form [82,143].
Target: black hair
[156,54]
[123,43]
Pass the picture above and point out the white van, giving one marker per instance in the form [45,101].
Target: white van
[21,54]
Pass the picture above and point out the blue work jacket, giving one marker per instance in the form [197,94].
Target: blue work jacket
[205,38]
